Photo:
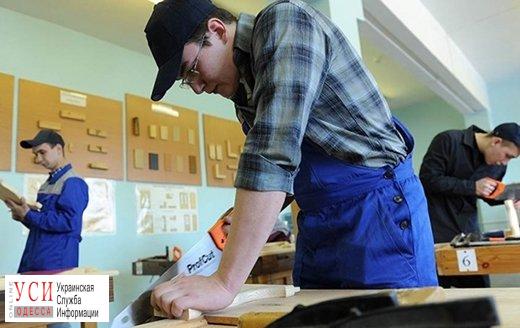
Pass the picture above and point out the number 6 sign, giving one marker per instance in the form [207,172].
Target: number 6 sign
[467,260]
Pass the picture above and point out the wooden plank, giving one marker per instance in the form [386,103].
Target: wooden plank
[495,259]
[138,158]
[195,323]
[8,193]
[164,132]
[97,149]
[98,166]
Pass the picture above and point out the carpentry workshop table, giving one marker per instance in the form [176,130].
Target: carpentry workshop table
[496,259]
[75,271]
[274,265]
[507,302]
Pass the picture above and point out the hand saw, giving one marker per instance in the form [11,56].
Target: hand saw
[504,192]
[202,259]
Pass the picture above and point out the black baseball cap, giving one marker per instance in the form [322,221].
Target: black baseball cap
[508,131]
[169,28]
[43,136]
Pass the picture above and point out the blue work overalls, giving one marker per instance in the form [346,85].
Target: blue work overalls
[361,227]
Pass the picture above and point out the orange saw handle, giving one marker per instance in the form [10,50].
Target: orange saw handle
[498,190]
[217,231]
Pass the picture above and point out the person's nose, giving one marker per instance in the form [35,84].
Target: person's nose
[197,86]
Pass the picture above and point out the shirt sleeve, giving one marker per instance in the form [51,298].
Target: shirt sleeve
[289,65]
[434,170]
[67,214]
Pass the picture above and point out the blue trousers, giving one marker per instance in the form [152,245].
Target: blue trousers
[361,227]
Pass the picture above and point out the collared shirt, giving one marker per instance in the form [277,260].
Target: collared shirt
[301,79]
[450,168]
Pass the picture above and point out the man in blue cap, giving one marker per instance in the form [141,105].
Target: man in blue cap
[317,128]
[55,229]
[459,167]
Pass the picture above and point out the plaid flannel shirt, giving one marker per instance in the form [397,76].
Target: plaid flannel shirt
[300,78]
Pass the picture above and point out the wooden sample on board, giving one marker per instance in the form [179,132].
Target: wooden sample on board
[73,115]
[217,174]
[168,136]
[152,131]
[6,119]
[136,130]
[153,161]
[229,150]
[138,159]
[81,119]
[97,133]
[49,125]
[97,149]
[192,164]
[221,135]
[98,166]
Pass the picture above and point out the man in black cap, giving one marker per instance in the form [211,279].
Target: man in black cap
[55,229]
[459,167]
[317,128]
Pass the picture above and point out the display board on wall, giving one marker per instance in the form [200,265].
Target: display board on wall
[99,216]
[90,125]
[223,142]
[6,119]
[162,142]
[163,209]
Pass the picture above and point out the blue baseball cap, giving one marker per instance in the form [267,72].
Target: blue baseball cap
[169,28]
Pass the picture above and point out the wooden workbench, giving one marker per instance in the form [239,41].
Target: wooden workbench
[494,259]
[507,301]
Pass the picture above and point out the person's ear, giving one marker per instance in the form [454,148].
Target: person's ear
[219,28]
[496,141]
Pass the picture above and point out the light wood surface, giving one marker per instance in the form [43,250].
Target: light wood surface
[6,119]
[500,258]
[223,142]
[507,301]
[40,102]
[175,141]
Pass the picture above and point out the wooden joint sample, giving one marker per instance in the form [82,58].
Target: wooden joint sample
[212,151]
[164,132]
[135,126]
[192,164]
[72,115]
[219,152]
[138,158]
[97,149]
[49,125]
[152,131]
[97,133]
[232,167]
[230,153]
[216,172]
[70,147]
[98,166]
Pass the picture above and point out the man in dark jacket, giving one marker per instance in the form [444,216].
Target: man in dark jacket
[459,167]
[55,230]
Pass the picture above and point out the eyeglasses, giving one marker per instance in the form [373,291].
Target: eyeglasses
[192,74]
